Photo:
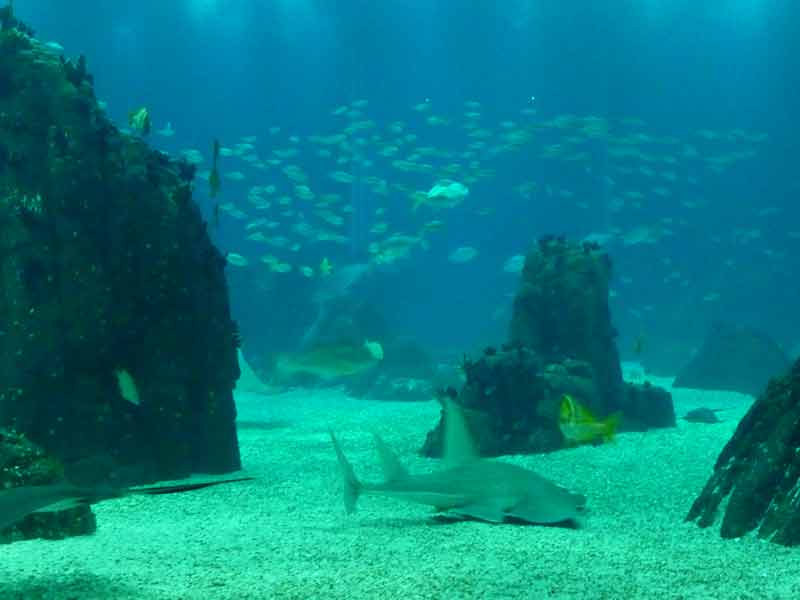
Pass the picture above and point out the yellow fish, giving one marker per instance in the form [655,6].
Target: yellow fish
[580,426]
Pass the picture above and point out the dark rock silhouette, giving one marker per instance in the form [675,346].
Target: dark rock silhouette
[24,463]
[561,312]
[112,292]
[508,404]
[561,342]
[733,358]
[757,476]
[644,406]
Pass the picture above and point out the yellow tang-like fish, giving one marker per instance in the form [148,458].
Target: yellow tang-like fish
[580,426]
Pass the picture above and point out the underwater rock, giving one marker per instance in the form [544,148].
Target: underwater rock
[509,404]
[562,342]
[24,463]
[666,357]
[646,406]
[8,21]
[756,479]
[703,415]
[733,358]
[561,312]
[106,269]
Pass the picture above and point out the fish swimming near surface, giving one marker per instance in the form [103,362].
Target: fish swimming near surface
[580,426]
[468,486]
[444,194]
[19,502]
[463,254]
[235,259]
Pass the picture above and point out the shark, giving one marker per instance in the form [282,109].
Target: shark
[18,502]
[468,486]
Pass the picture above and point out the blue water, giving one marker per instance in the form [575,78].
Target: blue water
[231,68]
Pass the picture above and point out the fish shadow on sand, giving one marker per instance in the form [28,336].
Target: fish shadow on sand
[445,519]
[439,519]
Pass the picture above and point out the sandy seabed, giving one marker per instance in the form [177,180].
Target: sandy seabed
[286,535]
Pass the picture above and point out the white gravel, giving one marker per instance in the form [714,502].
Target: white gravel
[286,534]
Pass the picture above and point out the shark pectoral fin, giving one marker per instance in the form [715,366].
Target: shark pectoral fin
[484,511]
[393,470]
[66,504]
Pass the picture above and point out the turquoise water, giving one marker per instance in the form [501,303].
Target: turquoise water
[663,130]
[384,168]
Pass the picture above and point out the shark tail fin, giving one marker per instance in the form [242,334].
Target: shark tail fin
[352,486]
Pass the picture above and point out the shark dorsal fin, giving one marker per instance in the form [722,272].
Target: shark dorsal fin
[458,445]
[393,469]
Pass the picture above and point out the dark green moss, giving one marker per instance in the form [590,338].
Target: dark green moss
[105,264]
[23,463]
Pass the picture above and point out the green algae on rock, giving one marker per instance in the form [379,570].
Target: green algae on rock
[105,266]
[561,341]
